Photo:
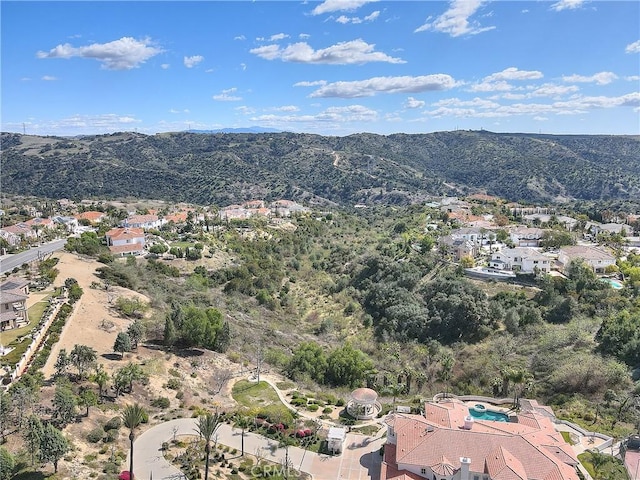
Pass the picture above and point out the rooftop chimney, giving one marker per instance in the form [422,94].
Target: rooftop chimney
[465,464]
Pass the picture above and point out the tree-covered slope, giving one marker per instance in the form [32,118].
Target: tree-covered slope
[226,168]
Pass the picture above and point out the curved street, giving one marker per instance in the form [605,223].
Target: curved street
[360,459]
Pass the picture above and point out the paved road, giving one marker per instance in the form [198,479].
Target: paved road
[359,461]
[9,262]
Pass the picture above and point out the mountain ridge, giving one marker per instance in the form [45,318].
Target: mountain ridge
[360,168]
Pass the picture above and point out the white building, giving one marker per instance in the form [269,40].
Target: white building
[596,257]
[521,259]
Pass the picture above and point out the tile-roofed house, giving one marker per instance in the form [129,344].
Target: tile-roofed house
[447,443]
[596,257]
[91,216]
[122,241]
[521,259]
[14,234]
[14,293]
[40,223]
[143,221]
[523,236]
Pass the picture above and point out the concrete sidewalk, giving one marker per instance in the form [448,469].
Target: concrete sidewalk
[360,459]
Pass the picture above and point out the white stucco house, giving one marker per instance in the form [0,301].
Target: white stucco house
[521,259]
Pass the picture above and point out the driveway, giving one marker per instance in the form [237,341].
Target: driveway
[359,461]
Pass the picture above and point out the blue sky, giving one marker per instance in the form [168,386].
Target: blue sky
[334,68]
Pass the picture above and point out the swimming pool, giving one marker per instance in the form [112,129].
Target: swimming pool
[614,283]
[480,412]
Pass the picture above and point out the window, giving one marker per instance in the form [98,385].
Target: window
[423,471]
[476,477]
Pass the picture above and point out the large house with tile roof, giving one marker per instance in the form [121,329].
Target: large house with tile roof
[598,258]
[447,443]
[14,293]
[521,259]
[125,241]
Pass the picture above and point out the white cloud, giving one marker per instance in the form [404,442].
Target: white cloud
[332,115]
[357,20]
[192,61]
[500,86]
[633,47]
[286,108]
[343,53]
[455,21]
[601,78]
[243,66]
[329,6]
[49,78]
[373,86]
[173,110]
[632,78]
[92,123]
[480,108]
[512,73]
[413,103]
[123,54]
[567,5]
[227,96]
[551,90]
[310,84]
[240,37]
[278,36]
[304,36]
[165,66]
[245,110]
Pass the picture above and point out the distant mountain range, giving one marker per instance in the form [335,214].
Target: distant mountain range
[227,168]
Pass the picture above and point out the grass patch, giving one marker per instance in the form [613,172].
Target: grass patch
[285,385]
[183,245]
[35,314]
[567,438]
[600,465]
[366,429]
[251,394]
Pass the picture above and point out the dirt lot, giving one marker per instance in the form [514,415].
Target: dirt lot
[94,322]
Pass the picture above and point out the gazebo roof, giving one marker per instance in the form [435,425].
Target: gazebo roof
[364,395]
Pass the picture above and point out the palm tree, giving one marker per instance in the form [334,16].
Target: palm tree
[206,428]
[243,422]
[132,416]
[394,390]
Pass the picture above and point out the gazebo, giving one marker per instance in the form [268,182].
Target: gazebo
[363,404]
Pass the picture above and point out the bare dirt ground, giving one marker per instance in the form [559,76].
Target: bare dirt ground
[93,322]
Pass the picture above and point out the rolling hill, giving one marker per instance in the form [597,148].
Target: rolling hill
[226,168]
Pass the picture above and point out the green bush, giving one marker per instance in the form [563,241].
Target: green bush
[111,467]
[327,410]
[174,384]
[313,407]
[95,435]
[339,403]
[113,424]
[111,436]
[161,402]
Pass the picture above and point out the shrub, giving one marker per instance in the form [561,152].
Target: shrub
[161,402]
[95,435]
[113,424]
[173,384]
[339,403]
[313,407]
[111,436]
[111,467]
[327,410]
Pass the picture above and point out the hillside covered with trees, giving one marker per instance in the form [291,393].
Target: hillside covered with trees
[363,168]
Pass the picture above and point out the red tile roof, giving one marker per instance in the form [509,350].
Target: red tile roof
[92,216]
[125,233]
[530,449]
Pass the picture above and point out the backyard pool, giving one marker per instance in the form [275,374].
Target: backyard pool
[614,283]
[480,412]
